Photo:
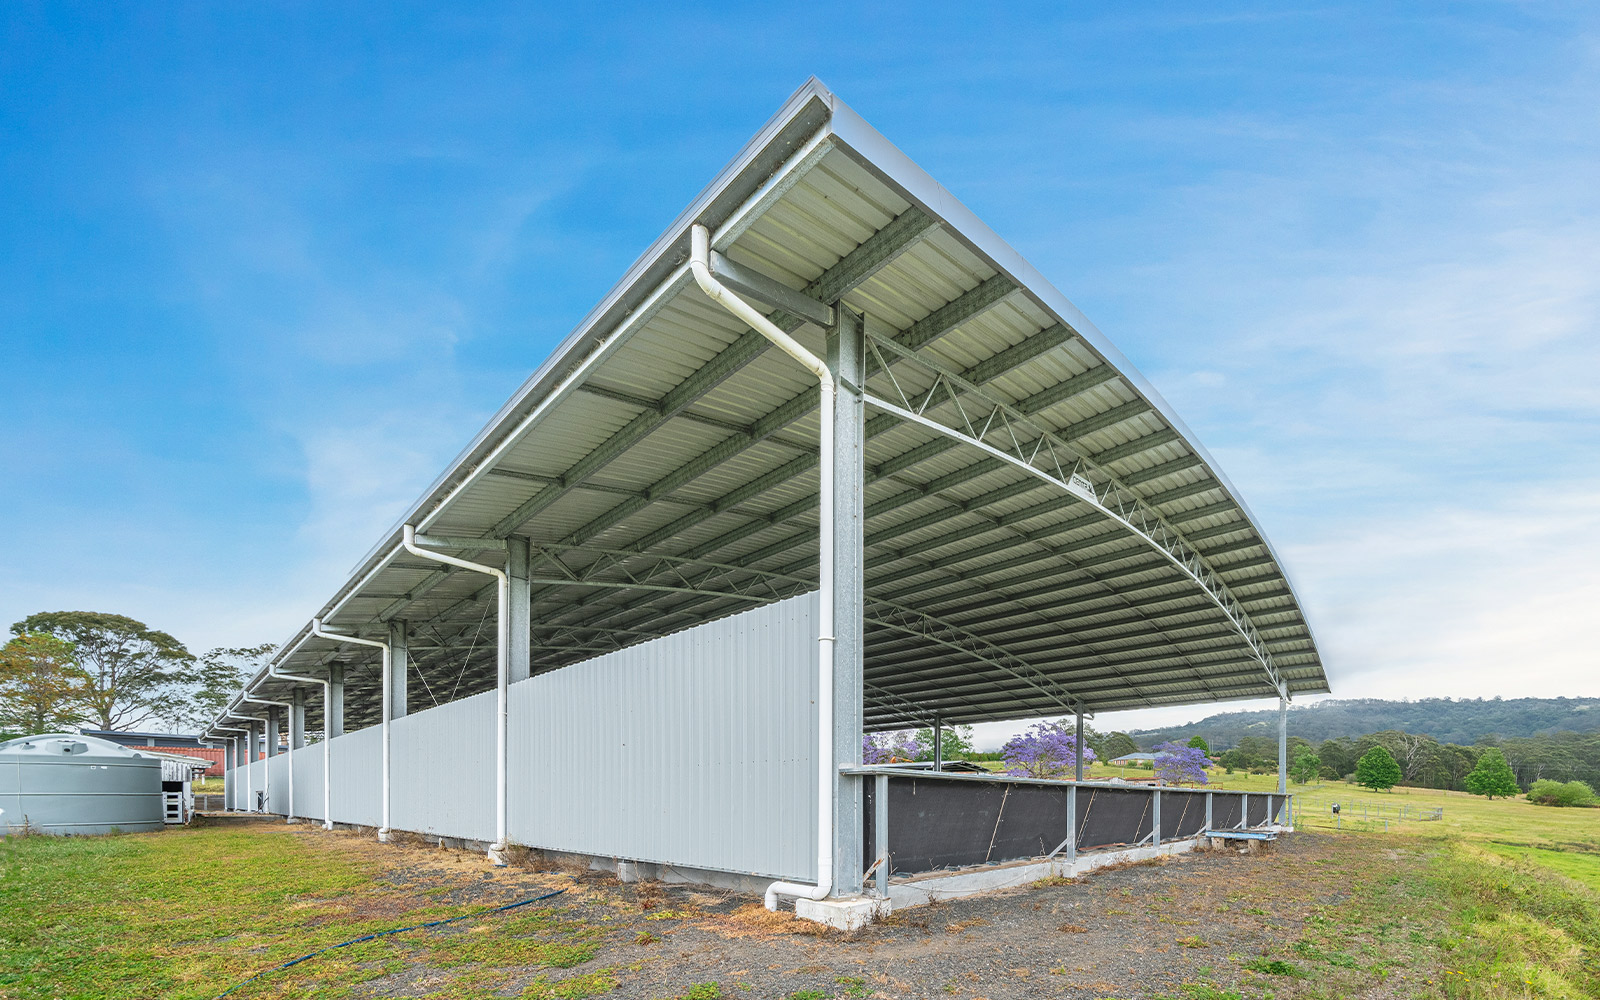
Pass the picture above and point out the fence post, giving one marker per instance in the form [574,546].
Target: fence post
[1072,823]
[880,831]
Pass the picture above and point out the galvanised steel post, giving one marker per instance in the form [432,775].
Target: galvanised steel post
[273,725]
[333,711]
[1077,769]
[297,719]
[1155,818]
[938,743]
[227,773]
[519,609]
[399,669]
[846,359]
[880,831]
[1283,744]
[1072,822]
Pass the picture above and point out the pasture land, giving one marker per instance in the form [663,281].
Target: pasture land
[1428,910]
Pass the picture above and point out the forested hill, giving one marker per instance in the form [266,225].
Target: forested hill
[1445,719]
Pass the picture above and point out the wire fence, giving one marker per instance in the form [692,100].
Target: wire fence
[1361,815]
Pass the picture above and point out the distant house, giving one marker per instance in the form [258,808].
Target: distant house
[1134,758]
[172,743]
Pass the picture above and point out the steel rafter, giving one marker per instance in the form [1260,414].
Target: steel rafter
[996,427]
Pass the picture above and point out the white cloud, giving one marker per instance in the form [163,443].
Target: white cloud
[1495,597]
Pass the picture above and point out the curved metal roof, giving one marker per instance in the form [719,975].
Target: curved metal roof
[1042,531]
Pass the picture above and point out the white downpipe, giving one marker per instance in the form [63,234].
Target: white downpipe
[266,765]
[229,729]
[318,630]
[249,752]
[497,850]
[700,264]
[327,753]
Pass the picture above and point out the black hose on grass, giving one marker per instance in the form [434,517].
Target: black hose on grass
[379,934]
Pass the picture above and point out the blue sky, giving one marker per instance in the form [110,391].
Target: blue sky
[264,270]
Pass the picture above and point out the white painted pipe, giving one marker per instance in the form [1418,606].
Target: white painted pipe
[249,754]
[266,768]
[700,264]
[318,630]
[327,751]
[497,850]
[228,729]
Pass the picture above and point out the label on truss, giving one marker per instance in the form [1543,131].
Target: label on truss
[1079,484]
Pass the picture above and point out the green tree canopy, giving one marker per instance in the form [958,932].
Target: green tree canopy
[42,688]
[1306,766]
[1554,793]
[1199,742]
[1377,769]
[132,672]
[957,741]
[1492,776]
[217,676]
[1118,745]
[1235,760]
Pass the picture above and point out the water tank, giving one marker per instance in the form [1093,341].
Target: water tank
[78,784]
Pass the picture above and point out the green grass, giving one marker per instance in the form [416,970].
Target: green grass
[189,912]
[1517,930]
[1584,868]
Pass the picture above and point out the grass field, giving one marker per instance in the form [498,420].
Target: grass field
[189,912]
[1564,840]
[1496,900]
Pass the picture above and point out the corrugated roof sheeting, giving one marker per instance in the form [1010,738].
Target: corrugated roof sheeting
[708,454]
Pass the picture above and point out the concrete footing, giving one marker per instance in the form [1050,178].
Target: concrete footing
[847,913]
[923,889]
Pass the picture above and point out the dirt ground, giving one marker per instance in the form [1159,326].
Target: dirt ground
[1189,927]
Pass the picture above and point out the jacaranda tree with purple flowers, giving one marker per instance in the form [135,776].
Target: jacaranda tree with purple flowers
[1177,763]
[881,748]
[1047,750]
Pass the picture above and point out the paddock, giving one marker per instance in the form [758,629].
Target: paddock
[831,458]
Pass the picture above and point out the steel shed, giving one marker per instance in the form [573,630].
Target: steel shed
[627,558]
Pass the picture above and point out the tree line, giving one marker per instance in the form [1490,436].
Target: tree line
[67,669]
[1424,762]
[1462,721]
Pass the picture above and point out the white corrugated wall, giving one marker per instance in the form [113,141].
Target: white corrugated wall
[442,769]
[696,749]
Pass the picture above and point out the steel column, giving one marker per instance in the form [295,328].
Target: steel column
[1078,765]
[229,762]
[399,669]
[880,832]
[297,719]
[845,354]
[1155,817]
[1283,744]
[333,711]
[1072,822]
[274,724]
[938,744]
[519,609]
